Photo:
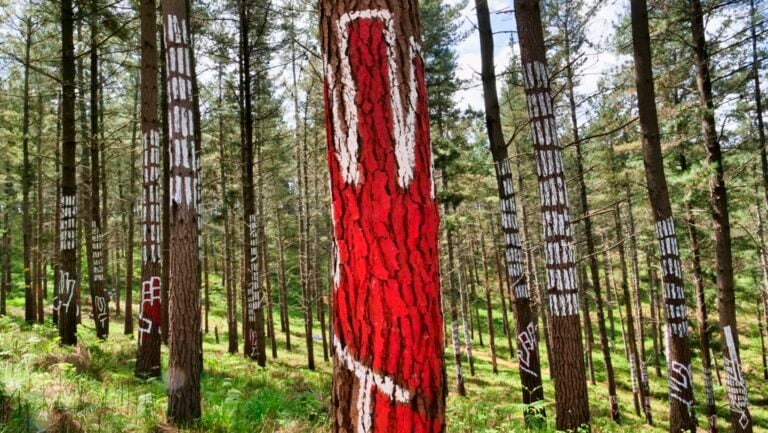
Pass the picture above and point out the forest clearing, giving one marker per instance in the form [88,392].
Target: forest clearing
[383,216]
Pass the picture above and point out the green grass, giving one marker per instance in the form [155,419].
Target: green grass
[95,384]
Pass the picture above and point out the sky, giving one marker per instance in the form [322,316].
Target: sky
[599,61]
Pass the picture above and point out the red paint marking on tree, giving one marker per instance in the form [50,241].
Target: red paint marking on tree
[387,317]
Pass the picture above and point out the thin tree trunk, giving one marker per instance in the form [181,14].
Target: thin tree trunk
[283,283]
[254,347]
[453,299]
[701,311]
[464,311]
[638,357]
[165,213]
[488,304]
[397,254]
[128,324]
[40,300]
[589,338]
[96,265]
[501,277]
[5,267]
[653,299]
[679,373]
[525,319]
[764,292]
[185,360]
[68,305]
[30,310]
[741,420]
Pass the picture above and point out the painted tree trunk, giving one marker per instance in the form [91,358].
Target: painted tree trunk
[388,368]
[96,257]
[255,346]
[571,399]
[150,308]
[526,323]
[679,373]
[68,306]
[741,420]
[185,360]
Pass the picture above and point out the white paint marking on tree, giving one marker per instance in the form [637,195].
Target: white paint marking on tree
[738,396]
[68,223]
[369,382]
[150,292]
[404,118]
[526,348]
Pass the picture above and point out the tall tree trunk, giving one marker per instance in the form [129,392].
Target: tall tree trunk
[254,347]
[5,266]
[96,265]
[764,268]
[453,298]
[283,283]
[488,304]
[386,221]
[185,360]
[165,211]
[638,361]
[501,278]
[589,337]
[571,399]
[679,374]
[228,266]
[68,306]
[525,319]
[741,420]
[30,310]
[465,311]
[128,323]
[39,258]
[56,217]
[653,299]
[701,311]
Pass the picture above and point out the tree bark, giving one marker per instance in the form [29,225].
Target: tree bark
[68,306]
[128,323]
[679,373]
[286,322]
[388,366]
[526,323]
[40,211]
[165,212]
[30,310]
[571,399]
[96,265]
[185,360]
[254,347]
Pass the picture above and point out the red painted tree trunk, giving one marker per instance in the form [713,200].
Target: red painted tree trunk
[571,399]
[150,308]
[388,370]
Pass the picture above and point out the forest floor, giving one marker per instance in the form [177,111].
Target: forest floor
[41,383]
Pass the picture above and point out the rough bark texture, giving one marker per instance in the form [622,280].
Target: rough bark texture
[150,309]
[388,366]
[68,273]
[165,213]
[741,420]
[526,323]
[185,362]
[679,374]
[96,253]
[30,311]
[571,399]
